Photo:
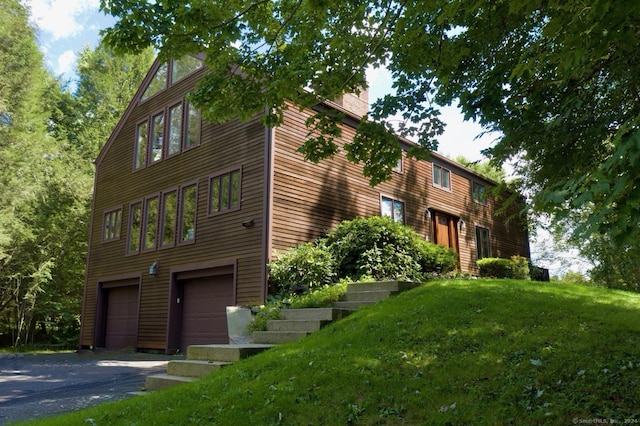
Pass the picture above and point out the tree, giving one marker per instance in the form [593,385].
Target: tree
[558,80]
[485,168]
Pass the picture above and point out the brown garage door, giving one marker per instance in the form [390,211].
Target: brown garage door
[204,317]
[121,326]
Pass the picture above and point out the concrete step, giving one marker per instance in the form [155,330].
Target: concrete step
[368,296]
[352,306]
[382,285]
[225,353]
[296,325]
[163,381]
[193,368]
[275,337]
[322,314]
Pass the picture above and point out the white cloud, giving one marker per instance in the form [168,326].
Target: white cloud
[66,63]
[61,18]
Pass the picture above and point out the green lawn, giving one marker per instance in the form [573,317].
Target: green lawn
[449,352]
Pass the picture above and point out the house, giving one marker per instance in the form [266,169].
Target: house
[187,214]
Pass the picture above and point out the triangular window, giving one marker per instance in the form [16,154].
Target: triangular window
[158,83]
[184,66]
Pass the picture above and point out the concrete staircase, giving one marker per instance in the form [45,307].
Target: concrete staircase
[201,360]
[293,325]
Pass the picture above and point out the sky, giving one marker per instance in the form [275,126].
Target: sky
[65,27]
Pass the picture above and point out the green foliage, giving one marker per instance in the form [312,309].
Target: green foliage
[515,268]
[308,265]
[384,249]
[574,277]
[320,298]
[450,352]
[485,168]
[270,311]
[556,80]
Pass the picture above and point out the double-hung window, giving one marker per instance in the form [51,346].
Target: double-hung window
[135,226]
[478,193]
[392,208]
[168,221]
[150,225]
[483,244]
[188,204]
[441,177]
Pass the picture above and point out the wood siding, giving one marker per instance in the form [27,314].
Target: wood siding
[309,199]
[217,238]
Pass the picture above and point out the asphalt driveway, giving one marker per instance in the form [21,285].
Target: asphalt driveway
[38,385]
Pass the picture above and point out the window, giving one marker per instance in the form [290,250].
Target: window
[483,246]
[184,66]
[111,225]
[192,126]
[441,177]
[157,133]
[150,223]
[392,208]
[175,129]
[163,135]
[398,166]
[224,191]
[158,83]
[168,223]
[135,223]
[188,213]
[478,193]
[141,145]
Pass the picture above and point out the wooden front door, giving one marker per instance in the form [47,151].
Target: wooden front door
[445,231]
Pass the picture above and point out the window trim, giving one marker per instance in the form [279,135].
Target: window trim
[433,180]
[151,120]
[181,102]
[482,200]
[179,240]
[488,242]
[136,155]
[129,227]
[228,171]
[118,227]
[393,200]
[145,223]
[185,127]
[162,218]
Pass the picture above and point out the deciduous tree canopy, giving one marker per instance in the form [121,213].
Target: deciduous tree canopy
[558,79]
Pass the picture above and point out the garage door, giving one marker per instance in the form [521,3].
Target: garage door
[121,326]
[204,303]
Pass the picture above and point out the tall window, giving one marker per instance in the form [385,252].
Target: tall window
[188,213]
[150,223]
[111,225]
[135,225]
[478,193]
[158,83]
[141,144]
[157,137]
[392,208]
[224,192]
[483,245]
[168,225]
[175,129]
[441,177]
[192,127]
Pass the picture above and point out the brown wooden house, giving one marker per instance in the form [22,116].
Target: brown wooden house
[187,214]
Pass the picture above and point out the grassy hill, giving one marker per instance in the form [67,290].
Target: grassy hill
[449,352]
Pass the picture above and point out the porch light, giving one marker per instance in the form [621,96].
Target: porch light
[461,224]
[153,269]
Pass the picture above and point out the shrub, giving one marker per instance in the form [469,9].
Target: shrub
[384,249]
[516,268]
[308,266]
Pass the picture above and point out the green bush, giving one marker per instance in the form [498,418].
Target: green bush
[308,266]
[384,249]
[516,268]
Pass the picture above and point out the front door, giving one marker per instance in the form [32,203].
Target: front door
[445,231]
